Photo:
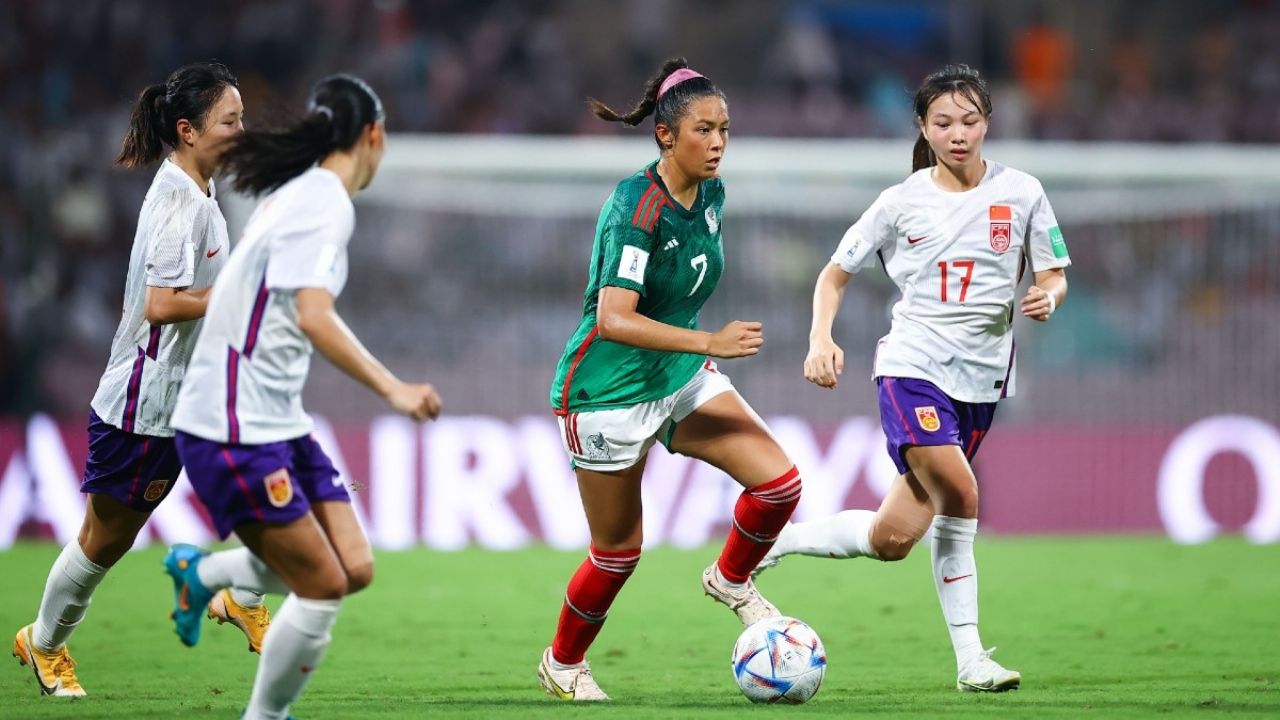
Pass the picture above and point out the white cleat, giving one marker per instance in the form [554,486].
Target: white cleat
[745,600]
[572,683]
[983,674]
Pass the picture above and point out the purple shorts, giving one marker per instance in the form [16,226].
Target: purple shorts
[917,412]
[270,483]
[136,470]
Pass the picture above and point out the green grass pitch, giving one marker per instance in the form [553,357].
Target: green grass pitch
[1113,627]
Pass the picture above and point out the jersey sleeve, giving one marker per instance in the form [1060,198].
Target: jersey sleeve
[625,243]
[180,220]
[874,230]
[311,251]
[1045,246]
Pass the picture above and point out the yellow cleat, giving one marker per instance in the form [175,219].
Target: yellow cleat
[55,671]
[253,622]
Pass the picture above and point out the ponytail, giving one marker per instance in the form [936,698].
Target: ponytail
[922,155]
[145,141]
[341,107]
[666,107]
[263,160]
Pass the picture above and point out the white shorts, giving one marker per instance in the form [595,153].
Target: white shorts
[607,440]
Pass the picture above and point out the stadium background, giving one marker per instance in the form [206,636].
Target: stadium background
[1148,405]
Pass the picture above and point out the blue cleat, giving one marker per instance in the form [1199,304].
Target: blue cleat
[190,597]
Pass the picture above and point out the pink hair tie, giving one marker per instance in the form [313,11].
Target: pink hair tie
[676,78]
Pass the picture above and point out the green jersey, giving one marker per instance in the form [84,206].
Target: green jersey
[647,242]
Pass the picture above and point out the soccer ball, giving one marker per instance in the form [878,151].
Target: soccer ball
[779,659]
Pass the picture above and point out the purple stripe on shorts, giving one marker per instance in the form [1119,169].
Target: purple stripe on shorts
[888,385]
[244,486]
[233,370]
[255,318]
[137,477]
[131,393]
[153,343]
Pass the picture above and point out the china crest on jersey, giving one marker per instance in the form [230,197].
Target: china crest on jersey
[1001,227]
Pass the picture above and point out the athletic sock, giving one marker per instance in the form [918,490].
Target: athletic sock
[247,599]
[586,602]
[846,534]
[956,576]
[239,568]
[292,650]
[758,516]
[67,594]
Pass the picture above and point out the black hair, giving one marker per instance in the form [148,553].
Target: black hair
[338,111]
[188,94]
[667,109]
[960,79]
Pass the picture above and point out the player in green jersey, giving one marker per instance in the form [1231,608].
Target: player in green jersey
[637,370]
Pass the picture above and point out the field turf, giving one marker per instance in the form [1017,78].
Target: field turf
[1100,628]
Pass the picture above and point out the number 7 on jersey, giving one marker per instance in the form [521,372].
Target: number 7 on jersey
[700,264]
[964,281]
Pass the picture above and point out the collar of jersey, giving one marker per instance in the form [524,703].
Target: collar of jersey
[652,173]
[176,168]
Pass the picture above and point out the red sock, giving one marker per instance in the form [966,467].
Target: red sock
[587,601]
[757,519]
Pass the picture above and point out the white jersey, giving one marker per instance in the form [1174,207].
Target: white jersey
[957,257]
[245,381]
[181,242]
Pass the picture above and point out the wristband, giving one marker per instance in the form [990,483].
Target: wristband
[1053,304]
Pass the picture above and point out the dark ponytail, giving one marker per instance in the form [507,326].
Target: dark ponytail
[340,108]
[668,109]
[952,79]
[188,94]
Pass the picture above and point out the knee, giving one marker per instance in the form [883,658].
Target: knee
[893,537]
[332,584]
[359,577]
[962,502]
[892,548]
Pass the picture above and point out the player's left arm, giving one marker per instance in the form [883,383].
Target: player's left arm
[165,305]
[1046,295]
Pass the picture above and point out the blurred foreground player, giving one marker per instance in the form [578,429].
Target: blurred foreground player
[242,432]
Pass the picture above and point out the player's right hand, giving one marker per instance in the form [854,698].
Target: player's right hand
[420,402]
[737,339]
[825,362]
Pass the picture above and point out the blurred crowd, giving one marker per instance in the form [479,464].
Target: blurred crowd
[1138,70]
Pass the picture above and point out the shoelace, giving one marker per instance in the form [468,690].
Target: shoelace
[64,667]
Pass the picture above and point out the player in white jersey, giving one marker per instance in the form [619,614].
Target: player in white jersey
[242,433]
[178,249]
[955,237]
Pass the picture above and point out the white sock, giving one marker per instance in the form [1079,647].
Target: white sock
[241,569]
[956,576]
[67,593]
[846,534]
[246,598]
[720,578]
[292,650]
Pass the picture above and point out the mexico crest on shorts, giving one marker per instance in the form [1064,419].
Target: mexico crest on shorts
[927,416]
[279,487]
[155,490]
[1001,227]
